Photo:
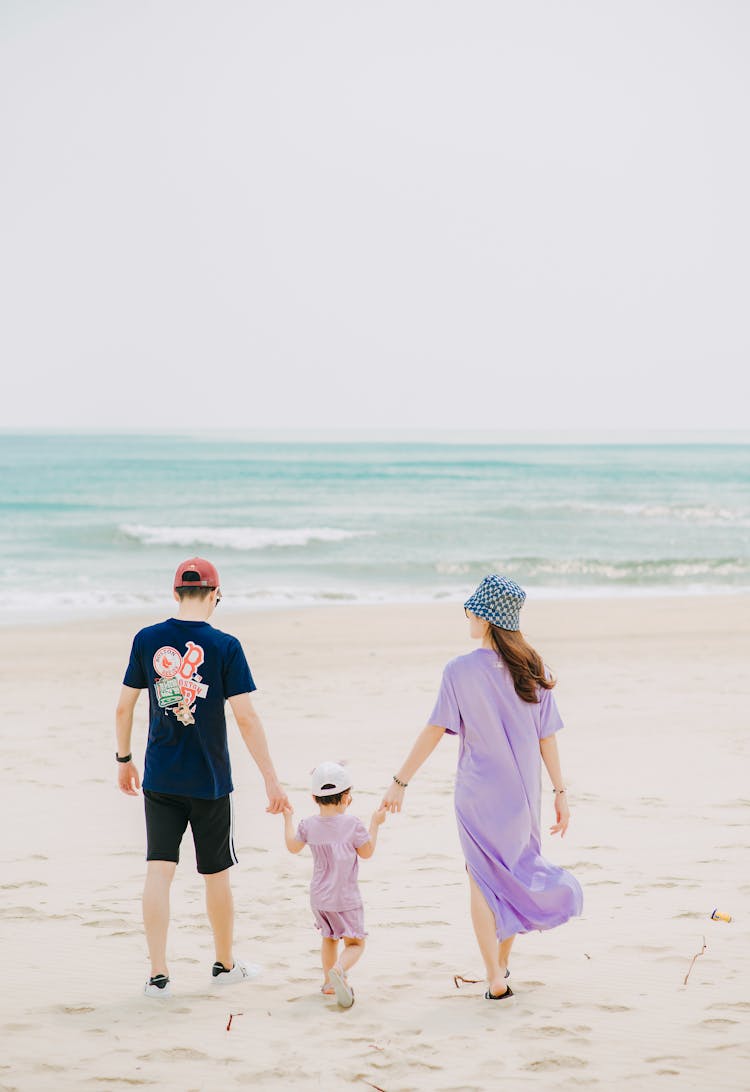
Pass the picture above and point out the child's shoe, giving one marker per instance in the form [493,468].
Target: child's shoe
[342,989]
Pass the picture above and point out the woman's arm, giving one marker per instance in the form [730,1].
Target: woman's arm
[551,759]
[425,744]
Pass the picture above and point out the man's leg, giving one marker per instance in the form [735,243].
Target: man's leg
[220,909]
[159,876]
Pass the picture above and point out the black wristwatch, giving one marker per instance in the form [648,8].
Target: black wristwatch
[127,758]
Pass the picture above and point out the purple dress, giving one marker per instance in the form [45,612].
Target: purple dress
[334,891]
[498,792]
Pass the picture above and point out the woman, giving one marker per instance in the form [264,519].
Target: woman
[498,699]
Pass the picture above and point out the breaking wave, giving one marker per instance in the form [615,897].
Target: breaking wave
[235,538]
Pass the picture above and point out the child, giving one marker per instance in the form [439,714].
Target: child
[336,840]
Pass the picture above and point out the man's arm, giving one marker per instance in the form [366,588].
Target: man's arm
[127,774]
[251,730]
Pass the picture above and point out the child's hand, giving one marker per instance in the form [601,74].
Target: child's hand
[287,809]
[378,816]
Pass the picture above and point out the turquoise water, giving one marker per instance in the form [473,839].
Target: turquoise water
[93,523]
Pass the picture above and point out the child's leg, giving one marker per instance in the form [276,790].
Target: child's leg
[329,950]
[353,949]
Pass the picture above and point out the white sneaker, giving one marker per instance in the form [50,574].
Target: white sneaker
[240,972]
[159,987]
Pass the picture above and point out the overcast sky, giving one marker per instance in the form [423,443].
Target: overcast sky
[412,213]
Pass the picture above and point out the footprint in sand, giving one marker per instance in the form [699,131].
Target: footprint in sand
[557,1062]
[178,1054]
[129,1081]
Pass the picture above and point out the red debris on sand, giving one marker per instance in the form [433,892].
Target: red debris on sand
[459,978]
[231,1017]
[692,961]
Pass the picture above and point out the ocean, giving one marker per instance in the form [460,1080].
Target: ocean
[92,524]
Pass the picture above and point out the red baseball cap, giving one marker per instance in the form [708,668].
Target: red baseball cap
[196,572]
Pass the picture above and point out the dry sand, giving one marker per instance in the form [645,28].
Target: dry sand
[656,698]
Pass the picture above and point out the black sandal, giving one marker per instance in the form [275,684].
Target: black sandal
[498,996]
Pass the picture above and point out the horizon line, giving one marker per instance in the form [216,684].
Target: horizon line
[405,434]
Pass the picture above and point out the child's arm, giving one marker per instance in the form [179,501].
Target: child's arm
[292,844]
[376,822]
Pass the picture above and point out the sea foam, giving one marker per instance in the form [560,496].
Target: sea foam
[235,538]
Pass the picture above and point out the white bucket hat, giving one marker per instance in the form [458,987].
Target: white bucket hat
[330,778]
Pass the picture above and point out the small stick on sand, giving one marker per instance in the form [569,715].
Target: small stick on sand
[231,1017]
[459,978]
[692,961]
[375,1086]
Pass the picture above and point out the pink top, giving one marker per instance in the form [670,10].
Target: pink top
[334,841]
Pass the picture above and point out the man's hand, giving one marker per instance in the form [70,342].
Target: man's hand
[128,779]
[278,800]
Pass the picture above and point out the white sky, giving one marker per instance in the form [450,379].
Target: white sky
[399,213]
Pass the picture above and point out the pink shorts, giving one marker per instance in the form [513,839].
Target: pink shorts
[340,923]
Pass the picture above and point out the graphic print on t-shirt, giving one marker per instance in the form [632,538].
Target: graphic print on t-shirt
[179,683]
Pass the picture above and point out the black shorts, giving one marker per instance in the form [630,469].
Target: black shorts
[211,821]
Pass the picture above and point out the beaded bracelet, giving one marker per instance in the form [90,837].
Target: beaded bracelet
[401,784]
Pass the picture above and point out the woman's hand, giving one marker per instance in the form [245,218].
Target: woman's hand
[394,798]
[562,814]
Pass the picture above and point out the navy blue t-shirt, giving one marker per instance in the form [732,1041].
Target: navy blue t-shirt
[190,669]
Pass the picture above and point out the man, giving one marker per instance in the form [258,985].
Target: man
[190,669]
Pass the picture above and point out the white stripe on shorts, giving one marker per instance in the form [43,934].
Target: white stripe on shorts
[231,828]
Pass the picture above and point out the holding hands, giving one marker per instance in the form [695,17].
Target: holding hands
[278,801]
[393,798]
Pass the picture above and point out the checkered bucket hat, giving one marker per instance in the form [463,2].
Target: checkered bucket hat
[498,600]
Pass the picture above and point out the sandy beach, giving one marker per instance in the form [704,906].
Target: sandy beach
[655,694]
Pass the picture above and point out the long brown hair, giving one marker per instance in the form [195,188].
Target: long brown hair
[524,663]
